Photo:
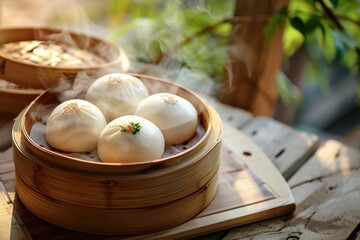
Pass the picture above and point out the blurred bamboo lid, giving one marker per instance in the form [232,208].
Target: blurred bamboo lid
[41,57]
[14,98]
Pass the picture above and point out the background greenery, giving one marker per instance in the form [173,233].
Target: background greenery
[194,34]
[187,41]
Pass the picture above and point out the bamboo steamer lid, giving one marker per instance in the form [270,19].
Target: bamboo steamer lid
[37,75]
[122,198]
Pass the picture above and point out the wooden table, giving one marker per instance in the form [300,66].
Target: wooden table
[324,179]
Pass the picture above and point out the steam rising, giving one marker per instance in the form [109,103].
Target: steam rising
[151,39]
[146,39]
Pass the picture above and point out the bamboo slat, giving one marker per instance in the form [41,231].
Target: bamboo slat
[132,221]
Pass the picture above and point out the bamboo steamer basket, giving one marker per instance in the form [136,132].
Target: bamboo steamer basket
[114,198]
[41,76]
[14,99]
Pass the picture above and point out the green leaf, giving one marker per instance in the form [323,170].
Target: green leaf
[322,28]
[312,24]
[302,9]
[292,40]
[327,44]
[335,3]
[298,24]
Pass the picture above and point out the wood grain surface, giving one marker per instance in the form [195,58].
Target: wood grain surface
[327,194]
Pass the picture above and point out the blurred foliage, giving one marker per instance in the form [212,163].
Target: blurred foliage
[182,32]
[194,34]
[333,26]
[288,92]
[329,30]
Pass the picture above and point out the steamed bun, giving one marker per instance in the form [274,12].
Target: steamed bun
[74,126]
[176,117]
[116,94]
[129,139]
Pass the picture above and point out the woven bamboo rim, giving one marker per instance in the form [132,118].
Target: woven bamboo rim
[38,76]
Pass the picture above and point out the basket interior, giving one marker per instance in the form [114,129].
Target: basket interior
[100,48]
[38,112]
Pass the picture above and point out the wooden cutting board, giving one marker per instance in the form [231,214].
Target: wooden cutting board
[250,189]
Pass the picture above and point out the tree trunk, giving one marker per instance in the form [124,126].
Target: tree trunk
[253,61]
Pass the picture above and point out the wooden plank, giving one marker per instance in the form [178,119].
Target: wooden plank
[332,158]
[285,146]
[9,228]
[232,115]
[7,173]
[327,194]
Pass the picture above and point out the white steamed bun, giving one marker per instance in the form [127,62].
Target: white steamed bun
[74,126]
[116,94]
[175,116]
[130,139]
